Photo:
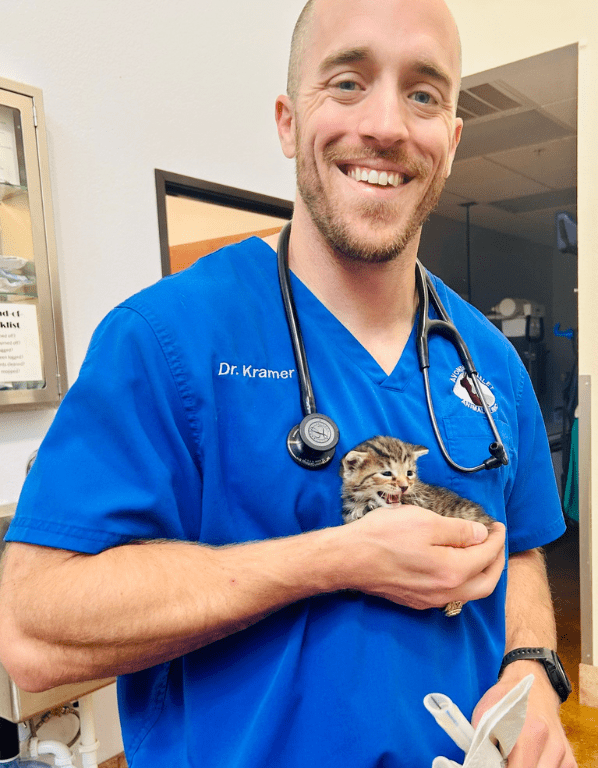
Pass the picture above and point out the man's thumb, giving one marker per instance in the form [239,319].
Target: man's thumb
[467,533]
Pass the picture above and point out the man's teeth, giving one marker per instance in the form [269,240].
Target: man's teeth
[382,178]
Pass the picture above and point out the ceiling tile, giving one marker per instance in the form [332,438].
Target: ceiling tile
[486,137]
[483,181]
[566,111]
[553,164]
[540,202]
[547,78]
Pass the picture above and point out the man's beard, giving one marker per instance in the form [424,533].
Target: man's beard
[337,231]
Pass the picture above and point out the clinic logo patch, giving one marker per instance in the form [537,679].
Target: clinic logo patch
[465,390]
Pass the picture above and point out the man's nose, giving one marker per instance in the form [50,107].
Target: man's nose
[384,119]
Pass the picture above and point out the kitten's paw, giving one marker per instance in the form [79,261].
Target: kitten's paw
[349,517]
[453,609]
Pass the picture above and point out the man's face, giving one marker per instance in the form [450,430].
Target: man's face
[373,126]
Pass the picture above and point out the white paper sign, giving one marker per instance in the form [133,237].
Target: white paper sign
[20,354]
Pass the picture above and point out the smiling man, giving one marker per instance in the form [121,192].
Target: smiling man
[166,535]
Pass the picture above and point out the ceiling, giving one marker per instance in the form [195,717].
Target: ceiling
[517,160]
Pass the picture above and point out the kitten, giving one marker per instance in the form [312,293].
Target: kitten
[381,472]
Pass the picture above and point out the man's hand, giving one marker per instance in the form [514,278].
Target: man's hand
[419,559]
[542,743]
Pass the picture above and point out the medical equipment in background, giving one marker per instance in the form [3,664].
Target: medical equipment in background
[522,322]
[566,233]
[312,442]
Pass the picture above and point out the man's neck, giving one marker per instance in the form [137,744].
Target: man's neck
[375,302]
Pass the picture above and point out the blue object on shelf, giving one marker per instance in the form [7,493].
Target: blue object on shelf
[568,334]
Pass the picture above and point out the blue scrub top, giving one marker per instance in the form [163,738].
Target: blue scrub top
[176,428]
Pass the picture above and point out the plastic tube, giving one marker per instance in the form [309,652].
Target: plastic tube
[60,752]
[88,746]
[450,718]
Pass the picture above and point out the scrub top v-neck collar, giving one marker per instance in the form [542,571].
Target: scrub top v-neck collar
[313,313]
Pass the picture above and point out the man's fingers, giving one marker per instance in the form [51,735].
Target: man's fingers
[478,567]
[456,532]
[483,584]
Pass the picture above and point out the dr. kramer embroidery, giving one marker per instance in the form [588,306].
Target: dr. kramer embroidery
[252,372]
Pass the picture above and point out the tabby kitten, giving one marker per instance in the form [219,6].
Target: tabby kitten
[381,472]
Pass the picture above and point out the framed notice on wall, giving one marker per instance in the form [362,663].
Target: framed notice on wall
[32,366]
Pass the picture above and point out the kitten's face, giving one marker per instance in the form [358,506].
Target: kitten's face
[381,470]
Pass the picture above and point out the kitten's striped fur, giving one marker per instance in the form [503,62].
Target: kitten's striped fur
[382,472]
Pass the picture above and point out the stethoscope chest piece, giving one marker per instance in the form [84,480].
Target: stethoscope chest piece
[312,442]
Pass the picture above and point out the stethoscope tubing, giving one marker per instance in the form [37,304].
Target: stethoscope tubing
[308,401]
[445,327]
[426,325]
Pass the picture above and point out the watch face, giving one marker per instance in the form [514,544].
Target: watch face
[558,676]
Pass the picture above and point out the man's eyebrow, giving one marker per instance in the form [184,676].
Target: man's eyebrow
[428,69]
[346,56]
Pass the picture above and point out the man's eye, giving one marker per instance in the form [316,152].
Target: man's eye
[422,97]
[347,85]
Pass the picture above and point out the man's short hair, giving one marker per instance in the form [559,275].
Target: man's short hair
[298,45]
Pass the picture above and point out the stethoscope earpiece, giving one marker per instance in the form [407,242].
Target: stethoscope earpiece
[313,442]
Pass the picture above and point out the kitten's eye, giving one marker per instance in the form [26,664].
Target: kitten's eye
[410,473]
[386,474]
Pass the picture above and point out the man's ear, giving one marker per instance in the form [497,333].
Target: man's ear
[285,122]
[455,144]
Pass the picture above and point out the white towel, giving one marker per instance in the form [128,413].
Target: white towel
[489,745]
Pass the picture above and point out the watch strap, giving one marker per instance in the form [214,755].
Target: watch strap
[551,662]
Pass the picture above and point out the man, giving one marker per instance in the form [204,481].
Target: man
[313,643]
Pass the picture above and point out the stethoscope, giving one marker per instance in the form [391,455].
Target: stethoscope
[313,441]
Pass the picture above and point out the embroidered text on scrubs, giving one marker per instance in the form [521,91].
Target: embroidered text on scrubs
[250,371]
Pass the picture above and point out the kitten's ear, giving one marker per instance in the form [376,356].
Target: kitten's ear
[353,460]
[420,450]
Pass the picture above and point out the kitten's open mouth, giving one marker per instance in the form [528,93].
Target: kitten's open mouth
[390,498]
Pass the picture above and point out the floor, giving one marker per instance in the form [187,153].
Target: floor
[581,723]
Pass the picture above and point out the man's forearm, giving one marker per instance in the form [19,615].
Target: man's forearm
[529,614]
[529,610]
[134,606]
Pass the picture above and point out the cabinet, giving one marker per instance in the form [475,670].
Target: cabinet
[32,364]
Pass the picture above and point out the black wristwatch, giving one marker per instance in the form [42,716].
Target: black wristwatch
[552,665]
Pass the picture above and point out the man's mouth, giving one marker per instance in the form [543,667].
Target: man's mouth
[372,176]
[390,498]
